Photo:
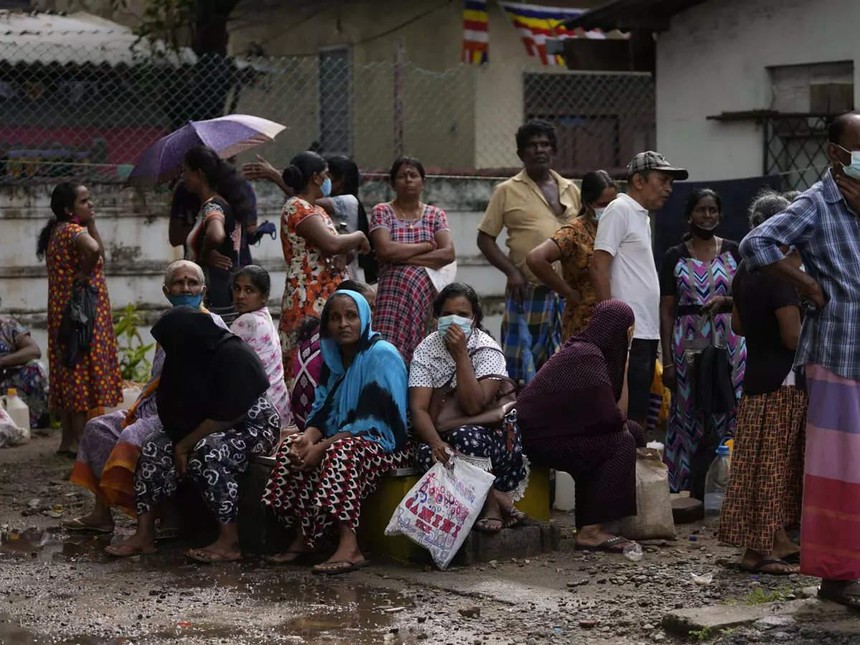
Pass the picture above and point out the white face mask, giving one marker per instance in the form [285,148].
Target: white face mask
[598,212]
[853,169]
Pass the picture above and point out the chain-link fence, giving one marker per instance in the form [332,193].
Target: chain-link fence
[78,114]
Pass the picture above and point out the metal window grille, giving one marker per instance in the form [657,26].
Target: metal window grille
[795,148]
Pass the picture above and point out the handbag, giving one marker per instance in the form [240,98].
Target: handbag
[75,334]
[447,415]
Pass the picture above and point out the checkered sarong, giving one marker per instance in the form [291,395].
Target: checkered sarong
[531,331]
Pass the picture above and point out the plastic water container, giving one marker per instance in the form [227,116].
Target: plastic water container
[17,409]
[565,494]
[717,481]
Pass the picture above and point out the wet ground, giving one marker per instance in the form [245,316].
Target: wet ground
[57,588]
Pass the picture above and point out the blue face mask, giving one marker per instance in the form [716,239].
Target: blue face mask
[463,323]
[187,300]
[853,169]
[326,187]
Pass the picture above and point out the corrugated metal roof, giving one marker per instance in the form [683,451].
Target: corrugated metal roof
[78,38]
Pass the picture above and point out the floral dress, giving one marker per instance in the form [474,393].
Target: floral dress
[311,277]
[258,330]
[29,379]
[693,283]
[404,294]
[95,381]
[576,244]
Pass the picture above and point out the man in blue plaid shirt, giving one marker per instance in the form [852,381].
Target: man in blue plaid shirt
[823,224]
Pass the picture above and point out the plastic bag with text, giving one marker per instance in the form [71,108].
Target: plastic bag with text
[441,508]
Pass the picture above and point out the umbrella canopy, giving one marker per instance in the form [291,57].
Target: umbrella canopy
[226,135]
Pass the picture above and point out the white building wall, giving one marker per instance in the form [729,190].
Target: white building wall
[714,59]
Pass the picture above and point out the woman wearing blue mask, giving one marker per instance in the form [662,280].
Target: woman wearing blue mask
[110,447]
[311,247]
[573,246]
[461,361]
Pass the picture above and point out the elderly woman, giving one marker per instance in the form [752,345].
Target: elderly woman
[21,369]
[72,247]
[110,447]
[573,418]
[461,363]
[211,402]
[251,287]
[765,491]
[409,237]
[355,434]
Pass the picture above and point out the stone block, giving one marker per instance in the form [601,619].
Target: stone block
[686,510]
[521,542]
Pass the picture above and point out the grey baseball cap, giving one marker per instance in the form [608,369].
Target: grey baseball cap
[651,160]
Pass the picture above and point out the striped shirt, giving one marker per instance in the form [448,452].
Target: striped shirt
[827,234]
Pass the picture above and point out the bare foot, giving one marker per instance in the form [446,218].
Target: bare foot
[296,550]
[595,537]
[212,554]
[351,555]
[135,545]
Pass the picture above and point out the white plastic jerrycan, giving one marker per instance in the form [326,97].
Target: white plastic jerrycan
[17,409]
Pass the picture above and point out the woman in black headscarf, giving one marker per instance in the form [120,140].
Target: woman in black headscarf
[216,417]
[572,417]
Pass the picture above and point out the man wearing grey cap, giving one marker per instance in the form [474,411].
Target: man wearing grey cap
[623,266]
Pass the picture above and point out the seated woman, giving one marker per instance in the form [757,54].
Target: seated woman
[211,403]
[462,360]
[110,446]
[355,434]
[20,368]
[308,363]
[572,415]
[251,286]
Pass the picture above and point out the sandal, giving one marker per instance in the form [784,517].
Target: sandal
[77,525]
[773,567]
[514,517]
[210,557]
[489,525]
[612,545]
[338,567]
[843,592]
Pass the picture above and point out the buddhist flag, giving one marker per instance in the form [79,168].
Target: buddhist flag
[537,23]
[476,37]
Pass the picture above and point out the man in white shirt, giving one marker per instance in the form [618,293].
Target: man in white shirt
[623,266]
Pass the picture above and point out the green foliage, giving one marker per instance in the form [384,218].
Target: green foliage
[761,596]
[169,22]
[700,635]
[133,363]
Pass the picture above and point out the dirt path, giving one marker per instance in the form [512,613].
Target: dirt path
[63,589]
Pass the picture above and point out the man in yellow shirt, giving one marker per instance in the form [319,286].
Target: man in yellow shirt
[532,206]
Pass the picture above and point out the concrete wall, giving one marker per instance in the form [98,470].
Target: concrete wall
[715,58]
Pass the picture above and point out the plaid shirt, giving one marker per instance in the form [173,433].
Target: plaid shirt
[827,235]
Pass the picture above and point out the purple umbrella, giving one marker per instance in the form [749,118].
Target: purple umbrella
[227,135]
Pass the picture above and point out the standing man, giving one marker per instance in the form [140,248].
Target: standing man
[532,206]
[623,266]
[823,224]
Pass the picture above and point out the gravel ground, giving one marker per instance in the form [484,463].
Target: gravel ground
[57,588]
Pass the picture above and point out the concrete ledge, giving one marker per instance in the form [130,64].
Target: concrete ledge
[719,618]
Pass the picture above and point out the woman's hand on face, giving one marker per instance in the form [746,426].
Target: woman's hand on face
[441,452]
[455,341]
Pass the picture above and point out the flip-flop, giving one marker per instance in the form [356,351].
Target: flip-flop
[515,517]
[848,595]
[208,557]
[338,567]
[77,525]
[113,550]
[759,567]
[612,545]
[483,525]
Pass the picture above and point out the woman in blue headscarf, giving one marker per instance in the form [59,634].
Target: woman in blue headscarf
[355,434]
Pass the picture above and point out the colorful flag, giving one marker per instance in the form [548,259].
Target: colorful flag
[476,38]
[537,23]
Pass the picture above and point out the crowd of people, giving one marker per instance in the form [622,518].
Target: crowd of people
[358,379]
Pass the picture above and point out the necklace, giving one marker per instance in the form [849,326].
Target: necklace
[409,218]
